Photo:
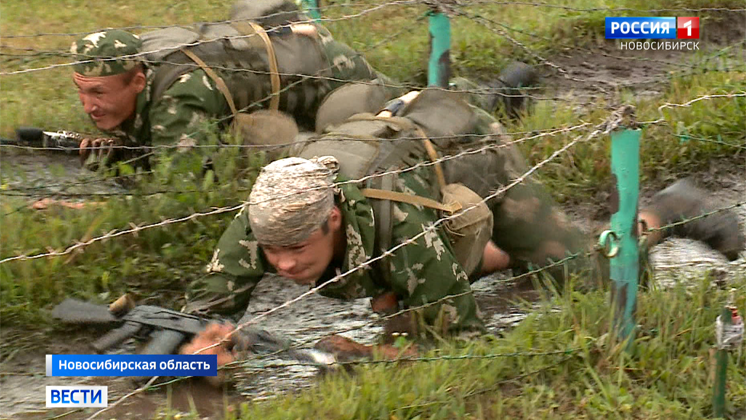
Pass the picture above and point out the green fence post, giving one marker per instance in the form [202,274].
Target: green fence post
[625,169]
[721,368]
[729,333]
[439,66]
[312,8]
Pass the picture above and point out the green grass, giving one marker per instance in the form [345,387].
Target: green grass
[667,375]
[667,378]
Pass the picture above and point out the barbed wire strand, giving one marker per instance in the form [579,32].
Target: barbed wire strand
[235,207]
[601,128]
[365,10]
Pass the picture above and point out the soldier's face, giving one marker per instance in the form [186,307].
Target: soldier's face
[305,262]
[109,100]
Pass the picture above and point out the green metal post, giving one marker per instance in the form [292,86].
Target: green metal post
[312,8]
[439,66]
[625,169]
[721,367]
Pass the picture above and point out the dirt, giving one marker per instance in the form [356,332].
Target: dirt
[22,379]
[600,71]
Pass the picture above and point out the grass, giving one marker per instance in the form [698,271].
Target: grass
[667,378]
[668,375]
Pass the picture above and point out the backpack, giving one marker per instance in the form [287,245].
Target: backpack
[270,72]
[367,144]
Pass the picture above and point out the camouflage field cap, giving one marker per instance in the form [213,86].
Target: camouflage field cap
[105,49]
[291,198]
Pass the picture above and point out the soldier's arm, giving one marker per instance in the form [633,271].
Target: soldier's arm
[235,269]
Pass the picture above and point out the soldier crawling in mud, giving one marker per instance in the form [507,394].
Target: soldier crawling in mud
[310,220]
[162,88]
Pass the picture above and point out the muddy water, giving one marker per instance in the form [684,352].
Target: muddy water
[45,174]
[22,365]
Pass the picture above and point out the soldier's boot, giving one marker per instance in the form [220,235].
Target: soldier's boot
[507,93]
[683,201]
[511,93]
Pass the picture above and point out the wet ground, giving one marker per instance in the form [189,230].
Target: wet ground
[21,373]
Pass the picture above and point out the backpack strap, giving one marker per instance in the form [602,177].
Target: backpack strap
[383,194]
[433,158]
[404,124]
[222,87]
[250,28]
[384,223]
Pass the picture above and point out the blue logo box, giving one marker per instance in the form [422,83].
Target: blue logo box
[640,28]
[132,365]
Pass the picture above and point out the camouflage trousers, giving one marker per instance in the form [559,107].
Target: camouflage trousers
[528,224]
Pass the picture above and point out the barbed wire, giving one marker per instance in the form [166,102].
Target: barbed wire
[418,2]
[488,356]
[228,21]
[488,23]
[602,9]
[273,147]
[115,233]
[604,127]
[695,218]
[236,207]
[741,94]
[413,167]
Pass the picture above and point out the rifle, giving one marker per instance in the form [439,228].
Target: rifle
[65,141]
[168,329]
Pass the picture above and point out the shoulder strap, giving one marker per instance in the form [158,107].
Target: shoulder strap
[250,28]
[408,125]
[384,194]
[214,76]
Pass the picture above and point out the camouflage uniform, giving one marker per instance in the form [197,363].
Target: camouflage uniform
[527,225]
[422,272]
[180,115]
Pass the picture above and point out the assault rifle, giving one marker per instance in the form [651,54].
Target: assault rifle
[168,329]
[66,141]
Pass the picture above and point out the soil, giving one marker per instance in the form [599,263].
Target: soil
[590,73]
[22,379]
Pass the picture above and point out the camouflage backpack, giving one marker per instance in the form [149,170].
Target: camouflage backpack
[367,144]
[258,69]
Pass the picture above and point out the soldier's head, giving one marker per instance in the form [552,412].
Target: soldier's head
[109,75]
[293,215]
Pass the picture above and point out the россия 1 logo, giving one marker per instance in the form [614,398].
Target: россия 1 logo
[687,28]
[652,28]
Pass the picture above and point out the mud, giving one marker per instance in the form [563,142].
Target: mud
[27,176]
[602,70]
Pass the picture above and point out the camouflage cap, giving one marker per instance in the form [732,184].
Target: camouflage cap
[291,198]
[100,53]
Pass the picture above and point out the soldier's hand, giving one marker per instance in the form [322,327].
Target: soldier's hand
[95,153]
[213,337]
